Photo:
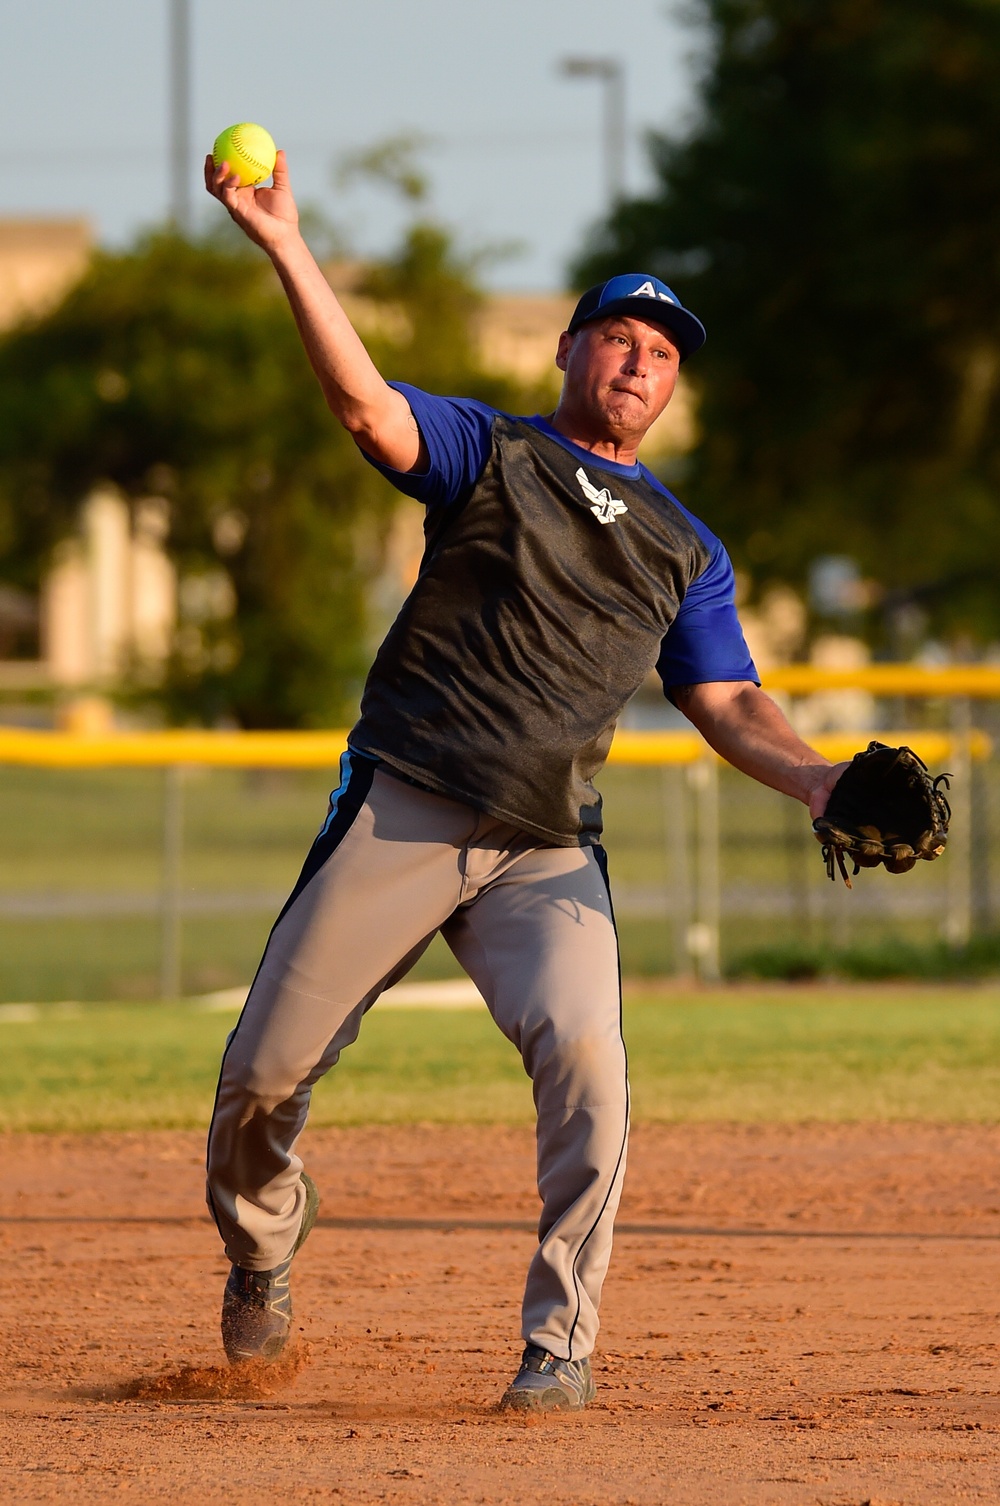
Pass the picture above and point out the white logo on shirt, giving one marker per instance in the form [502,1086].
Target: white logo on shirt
[605,507]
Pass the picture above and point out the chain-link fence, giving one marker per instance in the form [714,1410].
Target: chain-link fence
[156,881]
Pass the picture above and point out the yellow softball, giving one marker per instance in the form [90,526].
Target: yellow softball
[249,150]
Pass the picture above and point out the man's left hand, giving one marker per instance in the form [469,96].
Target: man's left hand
[824,788]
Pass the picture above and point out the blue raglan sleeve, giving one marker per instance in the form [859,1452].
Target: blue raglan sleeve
[705,641]
[458,433]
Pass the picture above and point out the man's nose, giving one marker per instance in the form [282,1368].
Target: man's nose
[636,363]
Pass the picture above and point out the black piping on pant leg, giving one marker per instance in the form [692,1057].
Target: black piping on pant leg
[602,863]
[555,992]
[356,776]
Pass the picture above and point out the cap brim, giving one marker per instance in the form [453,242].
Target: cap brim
[687,330]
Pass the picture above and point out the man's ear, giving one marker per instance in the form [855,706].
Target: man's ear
[563,349]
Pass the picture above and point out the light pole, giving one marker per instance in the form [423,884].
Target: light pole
[180,115]
[611,73]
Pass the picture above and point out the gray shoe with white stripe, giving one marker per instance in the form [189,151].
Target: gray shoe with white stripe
[546,1383]
[257,1305]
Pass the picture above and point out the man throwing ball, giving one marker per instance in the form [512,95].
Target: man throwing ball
[557,572]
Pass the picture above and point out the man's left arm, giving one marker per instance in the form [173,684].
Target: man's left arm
[748,730]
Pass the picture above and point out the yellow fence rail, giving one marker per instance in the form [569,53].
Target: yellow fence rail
[235,750]
[320,750]
[316,750]
[975,681]
[687,747]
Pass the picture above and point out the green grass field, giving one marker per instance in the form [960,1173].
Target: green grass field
[766,1053]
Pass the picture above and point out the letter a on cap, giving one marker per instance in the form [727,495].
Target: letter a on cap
[646,291]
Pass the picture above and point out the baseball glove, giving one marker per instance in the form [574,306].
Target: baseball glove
[884,808]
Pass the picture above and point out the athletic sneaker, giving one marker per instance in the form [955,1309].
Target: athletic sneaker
[545,1383]
[257,1305]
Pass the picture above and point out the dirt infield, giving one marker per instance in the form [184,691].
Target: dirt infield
[793,1315]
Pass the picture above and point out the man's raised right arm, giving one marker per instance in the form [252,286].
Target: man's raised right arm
[375,414]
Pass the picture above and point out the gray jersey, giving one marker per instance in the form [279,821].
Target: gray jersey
[542,602]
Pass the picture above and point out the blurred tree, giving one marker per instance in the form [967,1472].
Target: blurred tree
[393,162]
[834,216]
[175,370]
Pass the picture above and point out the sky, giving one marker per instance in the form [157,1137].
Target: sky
[513,149]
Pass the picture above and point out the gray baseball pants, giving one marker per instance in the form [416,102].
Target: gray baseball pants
[533,927]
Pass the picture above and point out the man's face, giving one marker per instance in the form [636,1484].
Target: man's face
[621,372]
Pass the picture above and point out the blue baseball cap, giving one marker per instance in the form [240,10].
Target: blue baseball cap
[636,295]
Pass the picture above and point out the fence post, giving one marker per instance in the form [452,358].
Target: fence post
[797,869]
[703,933]
[675,850]
[958,912]
[170,881]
